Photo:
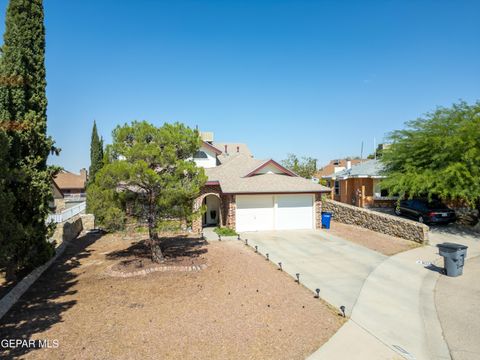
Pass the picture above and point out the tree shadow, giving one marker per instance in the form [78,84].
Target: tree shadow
[173,247]
[456,230]
[39,308]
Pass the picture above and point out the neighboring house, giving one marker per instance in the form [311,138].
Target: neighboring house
[360,185]
[249,194]
[336,166]
[69,189]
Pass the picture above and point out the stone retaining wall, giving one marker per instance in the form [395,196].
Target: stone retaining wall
[383,223]
[64,233]
[68,230]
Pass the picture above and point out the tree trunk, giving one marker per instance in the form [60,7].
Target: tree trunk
[155,250]
[10,271]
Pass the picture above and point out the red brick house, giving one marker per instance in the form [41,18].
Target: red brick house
[360,185]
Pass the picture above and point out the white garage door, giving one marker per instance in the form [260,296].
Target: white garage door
[254,212]
[274,212]
[294,212]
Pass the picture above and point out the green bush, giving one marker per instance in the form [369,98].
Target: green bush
[113,219]
[225,231]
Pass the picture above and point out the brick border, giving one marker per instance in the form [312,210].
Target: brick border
[162,268]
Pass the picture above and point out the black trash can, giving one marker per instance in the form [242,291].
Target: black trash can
[453,258]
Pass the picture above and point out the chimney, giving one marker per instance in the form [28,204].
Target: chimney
[226,149]
[83,174]
[349,164]
[238,149]
[206,136]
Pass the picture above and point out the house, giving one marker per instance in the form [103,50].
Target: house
[249,194]
[360,185]
[69,189]
[335,166]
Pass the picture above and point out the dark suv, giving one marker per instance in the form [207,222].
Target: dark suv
[426,212]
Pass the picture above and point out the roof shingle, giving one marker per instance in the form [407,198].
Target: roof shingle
[232,178]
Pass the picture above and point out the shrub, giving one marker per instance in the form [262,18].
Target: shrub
[225,231]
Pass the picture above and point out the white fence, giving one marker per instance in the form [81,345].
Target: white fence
[75,197]
[67,214]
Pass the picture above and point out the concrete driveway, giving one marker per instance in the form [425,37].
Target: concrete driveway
[391,301]
[336,266]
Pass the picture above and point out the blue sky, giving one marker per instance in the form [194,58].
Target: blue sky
[314,78]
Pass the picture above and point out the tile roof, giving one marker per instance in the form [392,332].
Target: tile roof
[68,180]
[231,175]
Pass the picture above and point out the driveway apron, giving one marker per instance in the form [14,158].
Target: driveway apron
[335,266]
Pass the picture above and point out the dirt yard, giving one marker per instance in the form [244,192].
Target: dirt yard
[385,244]
[239,307]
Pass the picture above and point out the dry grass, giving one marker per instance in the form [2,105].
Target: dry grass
[385,244]
[240,307]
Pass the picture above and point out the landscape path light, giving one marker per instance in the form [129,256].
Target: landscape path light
[238,237]
[280,266]
[298,277]
[267,256]
[342,309]
[246,241]
[219,237]
[318,293]
[256,248]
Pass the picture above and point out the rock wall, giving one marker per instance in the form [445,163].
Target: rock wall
[383,223]
[67,230]
[88,221]
[64,233]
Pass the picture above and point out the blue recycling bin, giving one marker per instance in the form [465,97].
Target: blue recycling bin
[326,217]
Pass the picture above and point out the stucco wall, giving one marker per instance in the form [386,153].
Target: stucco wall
[208,162]
[383,223]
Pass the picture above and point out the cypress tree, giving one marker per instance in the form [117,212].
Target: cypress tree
[23,107]
[96,153]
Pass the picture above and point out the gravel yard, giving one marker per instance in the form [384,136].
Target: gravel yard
[382,243]
[239,307]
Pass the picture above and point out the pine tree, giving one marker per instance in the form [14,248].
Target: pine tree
[23,107]
[96,153]
[155,177]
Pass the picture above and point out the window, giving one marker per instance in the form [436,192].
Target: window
[384,193]
[336,162]
[200,155]
[337,187]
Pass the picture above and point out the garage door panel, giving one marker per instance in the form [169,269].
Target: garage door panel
[274,212]
[254,212]
[294,212]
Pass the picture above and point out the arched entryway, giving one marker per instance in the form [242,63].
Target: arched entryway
[212,215]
